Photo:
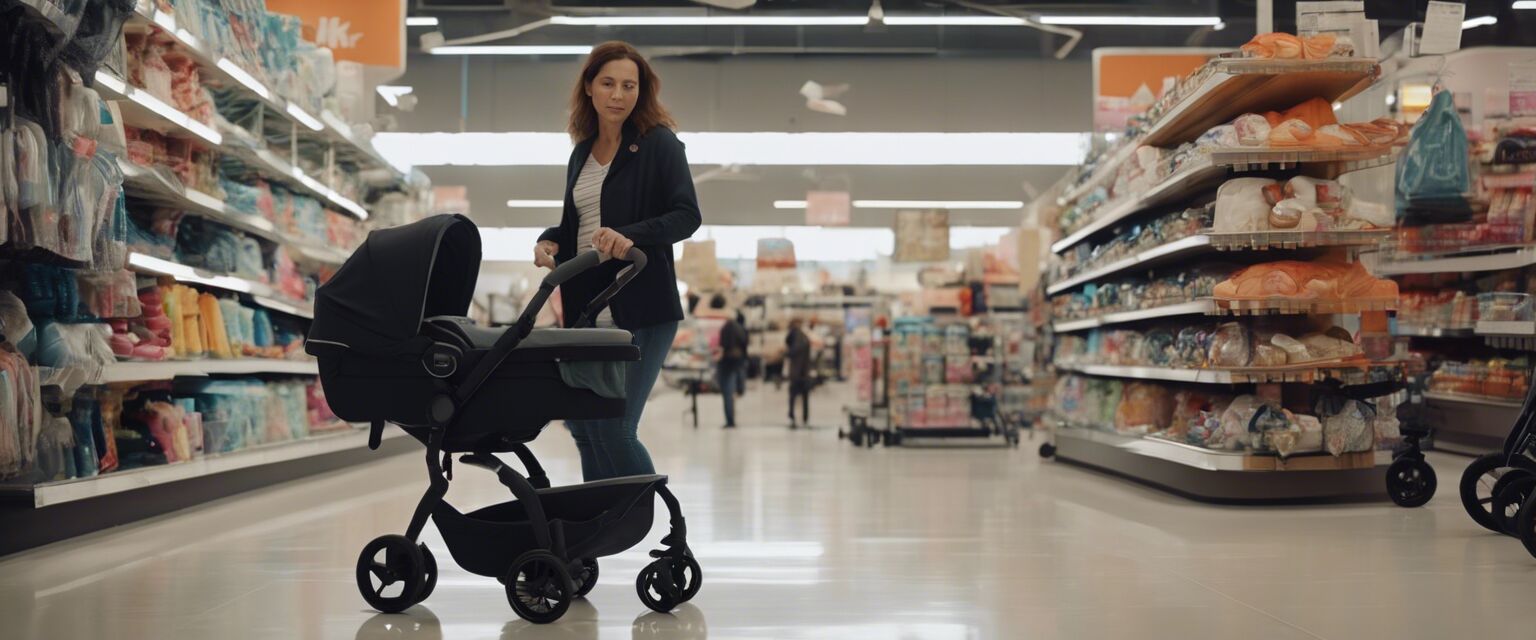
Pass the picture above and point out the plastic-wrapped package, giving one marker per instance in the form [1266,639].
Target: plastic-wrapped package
[1282,46]
[1231,346]
[1144,407]
[1252,130]
[1349,430]
[1242,206]
[1324,280]
[109,295]
[1219,137]
[1322,346]
[1268,355]
[1192,347]
[1433,171]
[1291,133]
[100,26]
[1236,419]
[1334,135]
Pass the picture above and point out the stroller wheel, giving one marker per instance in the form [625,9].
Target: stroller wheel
[391,573]
[656,587]
[688,577]
[586,577]
[1047,450]
[539,587]
[1525,524]
[1411,482]
[1480,484]
[430,566]
[1509,499]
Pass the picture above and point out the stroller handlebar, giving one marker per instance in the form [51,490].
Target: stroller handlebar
[561,274]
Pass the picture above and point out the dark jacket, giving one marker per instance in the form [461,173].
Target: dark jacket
[797,353]
[648,197]
[733,342]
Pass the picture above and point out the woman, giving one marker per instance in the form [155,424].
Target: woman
[627,185]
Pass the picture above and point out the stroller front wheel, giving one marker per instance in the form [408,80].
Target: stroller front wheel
[1481,482]
[586,577]
[1525,525]
[539,587]
[1411,482]
[388,561]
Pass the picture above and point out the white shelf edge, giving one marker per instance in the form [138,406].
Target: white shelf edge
[1235,70]
[1202,306]
[53,493]
[1518,329]
[263,293]
[166,370]
[1176,247]
[1195,173]
[119,89]
[1454,264]
[1205,376]
[1433,333]
[1470,399]
[1187,455]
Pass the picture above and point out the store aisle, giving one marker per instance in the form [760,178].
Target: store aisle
[803,536]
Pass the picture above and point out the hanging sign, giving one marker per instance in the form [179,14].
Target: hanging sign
[371,33]
[828,208]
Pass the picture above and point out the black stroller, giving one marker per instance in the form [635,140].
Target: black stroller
[462,388]
[1499,489]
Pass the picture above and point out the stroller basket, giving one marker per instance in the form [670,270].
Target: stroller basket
[595,519]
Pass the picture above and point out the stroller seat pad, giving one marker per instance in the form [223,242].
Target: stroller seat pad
[473,336]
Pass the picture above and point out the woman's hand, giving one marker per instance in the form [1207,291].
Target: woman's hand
[611,243]
[544,254]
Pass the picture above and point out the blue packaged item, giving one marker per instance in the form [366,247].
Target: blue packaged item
[1433,172]
[83,418]
[262,333]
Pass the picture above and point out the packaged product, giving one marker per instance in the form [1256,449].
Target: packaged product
[1144,407]
[1349,429]
[1433,172]
[1241,205]
[1231,346]
[1252,130]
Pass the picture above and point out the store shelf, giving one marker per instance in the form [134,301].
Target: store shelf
[1518,329]
[262,293]
[1238,86]
[1300,373]
[1266,240]
[1345,160]
[1188,181]
[166,370]
[1213,460]
[1431,332]
[53,493]
[144,110]
[49,13]
[1463,398]
[146,184]
[1496,261]
[325,125]
[1197,307]
[1102,172]
[274,167]
[1287,306]
[1148,258]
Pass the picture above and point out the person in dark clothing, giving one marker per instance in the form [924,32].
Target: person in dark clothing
[627,185]
[731,371]
[797,360]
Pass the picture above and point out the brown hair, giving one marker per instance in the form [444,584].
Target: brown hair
[649,112]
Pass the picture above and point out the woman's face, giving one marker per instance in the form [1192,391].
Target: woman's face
[615,90]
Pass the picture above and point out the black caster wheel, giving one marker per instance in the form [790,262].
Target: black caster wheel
[1047,450]
[430,565]
[1525,524]
[539,587]
[585,577]
[392,573]
[687,576]
[656,587]
[1480,485]
[1411,482]
[856,438]
[1509,499]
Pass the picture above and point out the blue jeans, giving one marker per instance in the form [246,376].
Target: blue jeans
[610,448]
[732,377]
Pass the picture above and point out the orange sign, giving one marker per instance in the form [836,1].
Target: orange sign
[367,31]
[1128,80]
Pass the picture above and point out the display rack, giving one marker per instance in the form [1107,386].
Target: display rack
[261,292]
[1214,95]
[165,370]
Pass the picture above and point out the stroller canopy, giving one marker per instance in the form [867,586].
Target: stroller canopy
[376,302]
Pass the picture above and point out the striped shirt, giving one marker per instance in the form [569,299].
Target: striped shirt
[588,196]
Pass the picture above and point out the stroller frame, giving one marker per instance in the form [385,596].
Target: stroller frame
[554,562]
[1509,475]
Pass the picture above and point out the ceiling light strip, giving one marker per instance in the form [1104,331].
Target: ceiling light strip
[511,50]
[1132,21]
[421,21]
[711,21]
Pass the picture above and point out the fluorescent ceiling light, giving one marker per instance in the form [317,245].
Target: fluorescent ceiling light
[739,242]
[243,77]
[303,116]
[1524,4]
[1480,21]
[917,204]
[511,50]
[954,21]
[721,21]
[535,204]
[391,93]
[767,148]
[421,21]
[1133,21]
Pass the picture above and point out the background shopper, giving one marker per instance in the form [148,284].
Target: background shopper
[797,358]
[627,185]
[731,370]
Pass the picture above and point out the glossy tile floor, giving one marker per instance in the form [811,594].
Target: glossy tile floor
[803,536]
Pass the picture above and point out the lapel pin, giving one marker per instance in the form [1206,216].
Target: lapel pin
[634,148]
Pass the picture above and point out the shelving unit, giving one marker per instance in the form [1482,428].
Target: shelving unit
[261,292]
[149,371]
[1471,262]
[1216,94]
